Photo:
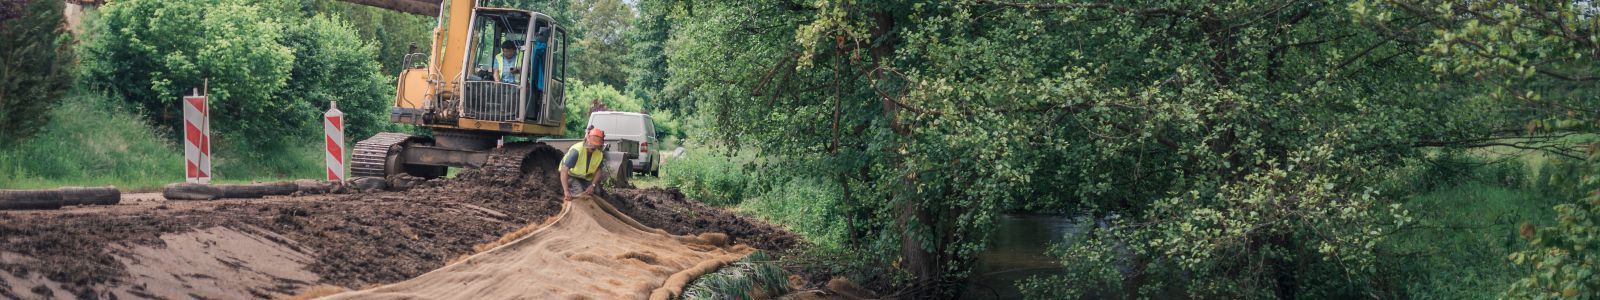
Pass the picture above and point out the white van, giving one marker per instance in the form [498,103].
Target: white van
[635,127]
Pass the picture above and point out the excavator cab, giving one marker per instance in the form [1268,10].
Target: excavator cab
[518,63]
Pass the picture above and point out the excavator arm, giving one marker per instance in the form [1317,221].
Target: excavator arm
[417,7]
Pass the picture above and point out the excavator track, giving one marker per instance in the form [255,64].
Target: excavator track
[371,155]
[514,160]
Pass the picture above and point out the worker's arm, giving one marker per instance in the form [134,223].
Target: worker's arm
[594,180]
[567,162]
[564,193]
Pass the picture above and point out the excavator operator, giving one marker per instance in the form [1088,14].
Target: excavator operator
[582,163]
[505,64]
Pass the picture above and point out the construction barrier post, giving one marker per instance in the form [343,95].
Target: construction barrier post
[333,131]
[196,139]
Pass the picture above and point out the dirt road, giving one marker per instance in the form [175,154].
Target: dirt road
[590,251]
[256,248]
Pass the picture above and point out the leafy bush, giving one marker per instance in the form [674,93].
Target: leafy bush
[582,97]
[271,67]
[1289,231]
[805,206]
[333,63]
[90,141]
[1563,260]
[1456,247]
[37,64]
[152,52]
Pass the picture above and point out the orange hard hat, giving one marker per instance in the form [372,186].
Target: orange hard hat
[596,136]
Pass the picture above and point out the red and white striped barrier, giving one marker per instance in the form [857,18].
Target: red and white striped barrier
[333,135]
[196,140]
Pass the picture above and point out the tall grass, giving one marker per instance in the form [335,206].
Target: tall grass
[92,140]
[1458,247]
[1467,207]
[88,141]
[712,178]
[756,276]
[805,206]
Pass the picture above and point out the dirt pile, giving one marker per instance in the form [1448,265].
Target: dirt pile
[668,209]
[352,240]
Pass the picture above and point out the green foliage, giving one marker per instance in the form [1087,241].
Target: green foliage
[755,276]
[934,117]
[601,53]
[153,52]
[1092,273]
[333,63]
[647,57]
[272,68]
[720,180]
[581,97]
[1563,258]
[803,205]
[392,32]
[1456,249]
[91,141]
[35,66]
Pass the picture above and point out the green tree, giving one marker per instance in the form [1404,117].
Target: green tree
[647,57]
[333,63]
[392,32]
[601,51]
[153,52]
[1180,117]
[35,66]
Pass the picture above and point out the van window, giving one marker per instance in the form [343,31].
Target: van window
[619,124]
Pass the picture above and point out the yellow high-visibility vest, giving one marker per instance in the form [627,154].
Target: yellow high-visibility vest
[588,161]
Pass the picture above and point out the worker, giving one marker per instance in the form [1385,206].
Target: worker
[506,64]
[582,164]
[539,46]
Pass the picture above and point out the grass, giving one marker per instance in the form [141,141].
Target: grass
[88,142]
[1463,232]
[712,178]
[91,140]
[756,276]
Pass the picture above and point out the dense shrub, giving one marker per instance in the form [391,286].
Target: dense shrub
[333,63]
[1563,259]
[37,64]
[153,52]
[272,68]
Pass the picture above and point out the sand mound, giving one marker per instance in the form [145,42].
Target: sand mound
[592,251]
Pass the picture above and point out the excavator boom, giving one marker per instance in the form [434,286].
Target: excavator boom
[416,7]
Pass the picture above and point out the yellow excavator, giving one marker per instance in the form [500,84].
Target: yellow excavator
[491,73]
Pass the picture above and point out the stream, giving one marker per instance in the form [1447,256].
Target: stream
[1020,250]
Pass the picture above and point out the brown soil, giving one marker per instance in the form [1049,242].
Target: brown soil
[353,241]
[590,252]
